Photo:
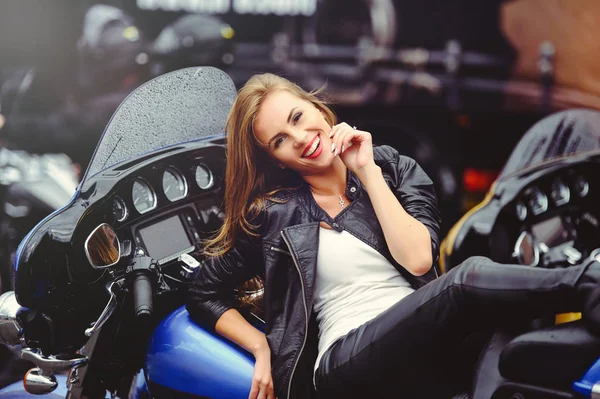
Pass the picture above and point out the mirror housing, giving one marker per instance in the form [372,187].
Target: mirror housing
[526,250]
[102,247]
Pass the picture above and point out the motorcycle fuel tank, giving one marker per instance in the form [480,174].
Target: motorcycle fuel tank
[185,359]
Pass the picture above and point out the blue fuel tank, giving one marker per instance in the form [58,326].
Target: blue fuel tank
[185,360]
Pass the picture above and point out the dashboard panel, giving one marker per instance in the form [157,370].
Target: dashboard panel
[167,206]
[554,218]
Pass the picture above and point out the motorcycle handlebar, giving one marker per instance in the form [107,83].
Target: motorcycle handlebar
[142,295]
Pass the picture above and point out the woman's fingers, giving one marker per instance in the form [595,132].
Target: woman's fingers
[344,136]
[262,389]
[253,390]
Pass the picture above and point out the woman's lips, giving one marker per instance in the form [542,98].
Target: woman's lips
[314,148]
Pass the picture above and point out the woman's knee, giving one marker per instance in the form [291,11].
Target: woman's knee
[471,268]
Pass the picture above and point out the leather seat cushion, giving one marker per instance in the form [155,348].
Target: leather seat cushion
[554,357]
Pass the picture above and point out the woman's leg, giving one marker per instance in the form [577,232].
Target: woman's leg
[394,353]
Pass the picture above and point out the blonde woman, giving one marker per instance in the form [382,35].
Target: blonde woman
[346,236]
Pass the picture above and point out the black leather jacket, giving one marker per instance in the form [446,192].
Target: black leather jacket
[286,254]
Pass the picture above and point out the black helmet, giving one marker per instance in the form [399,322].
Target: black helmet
[110,48]
[194,40]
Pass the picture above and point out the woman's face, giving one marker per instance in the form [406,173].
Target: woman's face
[294,133]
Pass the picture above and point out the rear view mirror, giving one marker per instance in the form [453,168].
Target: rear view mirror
[102,247]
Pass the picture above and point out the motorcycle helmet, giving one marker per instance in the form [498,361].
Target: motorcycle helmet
[194,40]
[112,50]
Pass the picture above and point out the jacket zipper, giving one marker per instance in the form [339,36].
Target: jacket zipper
[305,313]
[275,249]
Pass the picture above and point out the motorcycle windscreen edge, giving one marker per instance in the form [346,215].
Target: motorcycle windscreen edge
[179,106]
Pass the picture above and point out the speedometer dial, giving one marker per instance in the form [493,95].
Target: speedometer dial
[581,186]
[174,184]
[143,197]
[536,200]
[204,177]
[560,192]
[119,209]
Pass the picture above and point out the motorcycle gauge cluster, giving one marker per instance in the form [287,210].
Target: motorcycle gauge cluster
[560,192]
[521,210]
[174,185]
[204,177]
[119,209]
[537,201]
[144,198]
[581,186]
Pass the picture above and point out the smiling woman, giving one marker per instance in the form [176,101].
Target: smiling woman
[346,237]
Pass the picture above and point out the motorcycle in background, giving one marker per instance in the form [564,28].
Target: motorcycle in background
[542,211]
[31,185]
[100,284]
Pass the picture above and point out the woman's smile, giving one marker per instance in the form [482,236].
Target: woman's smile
[313,149]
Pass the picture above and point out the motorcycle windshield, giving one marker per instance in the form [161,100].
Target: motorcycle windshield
[173,108]
[560,135]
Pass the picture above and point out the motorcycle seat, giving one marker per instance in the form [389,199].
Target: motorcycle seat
[553,357]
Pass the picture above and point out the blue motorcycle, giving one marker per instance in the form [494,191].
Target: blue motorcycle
[100,283]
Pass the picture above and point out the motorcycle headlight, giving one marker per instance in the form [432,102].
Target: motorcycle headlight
[10,328]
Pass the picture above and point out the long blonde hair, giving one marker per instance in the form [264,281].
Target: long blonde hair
[250,176]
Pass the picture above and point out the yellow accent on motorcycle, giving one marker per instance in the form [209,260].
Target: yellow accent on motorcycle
[131,33]
[227,32]
[447,244]
[566,317]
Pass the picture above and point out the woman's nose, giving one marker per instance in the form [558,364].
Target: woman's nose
[300,138]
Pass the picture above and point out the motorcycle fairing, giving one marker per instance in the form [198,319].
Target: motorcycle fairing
[171,113]
[565,138]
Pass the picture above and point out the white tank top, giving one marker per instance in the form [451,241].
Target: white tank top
[354,284]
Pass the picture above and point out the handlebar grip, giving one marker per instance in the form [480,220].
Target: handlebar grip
[142,295]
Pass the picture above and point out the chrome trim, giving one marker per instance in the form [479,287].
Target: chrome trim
[595,255]
[50,364]
[10,328]
[119,199]
[87,253]
[175,172]
[305,314]
[211,180]
[521,211]
[77,374]
[113,290]
[595,392]
[37,382]
[517,249]
[572,254]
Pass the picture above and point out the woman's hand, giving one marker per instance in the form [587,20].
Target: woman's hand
[355,147]
[262,381]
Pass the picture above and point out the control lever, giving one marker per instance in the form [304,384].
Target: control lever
[51,364]
[113,289]
[189,266]
[141,271]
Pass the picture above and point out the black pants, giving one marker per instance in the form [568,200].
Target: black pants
[405,352]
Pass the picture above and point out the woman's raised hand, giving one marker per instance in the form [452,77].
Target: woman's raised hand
[355,147]
[262,381]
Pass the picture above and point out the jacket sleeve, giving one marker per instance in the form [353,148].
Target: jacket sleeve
[212,291]
[414,189]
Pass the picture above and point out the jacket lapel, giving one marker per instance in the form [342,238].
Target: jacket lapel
[303,240]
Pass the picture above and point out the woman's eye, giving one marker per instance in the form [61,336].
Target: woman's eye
[278,141]
[297,117]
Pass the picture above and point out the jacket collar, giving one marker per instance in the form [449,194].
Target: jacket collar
[353,191]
